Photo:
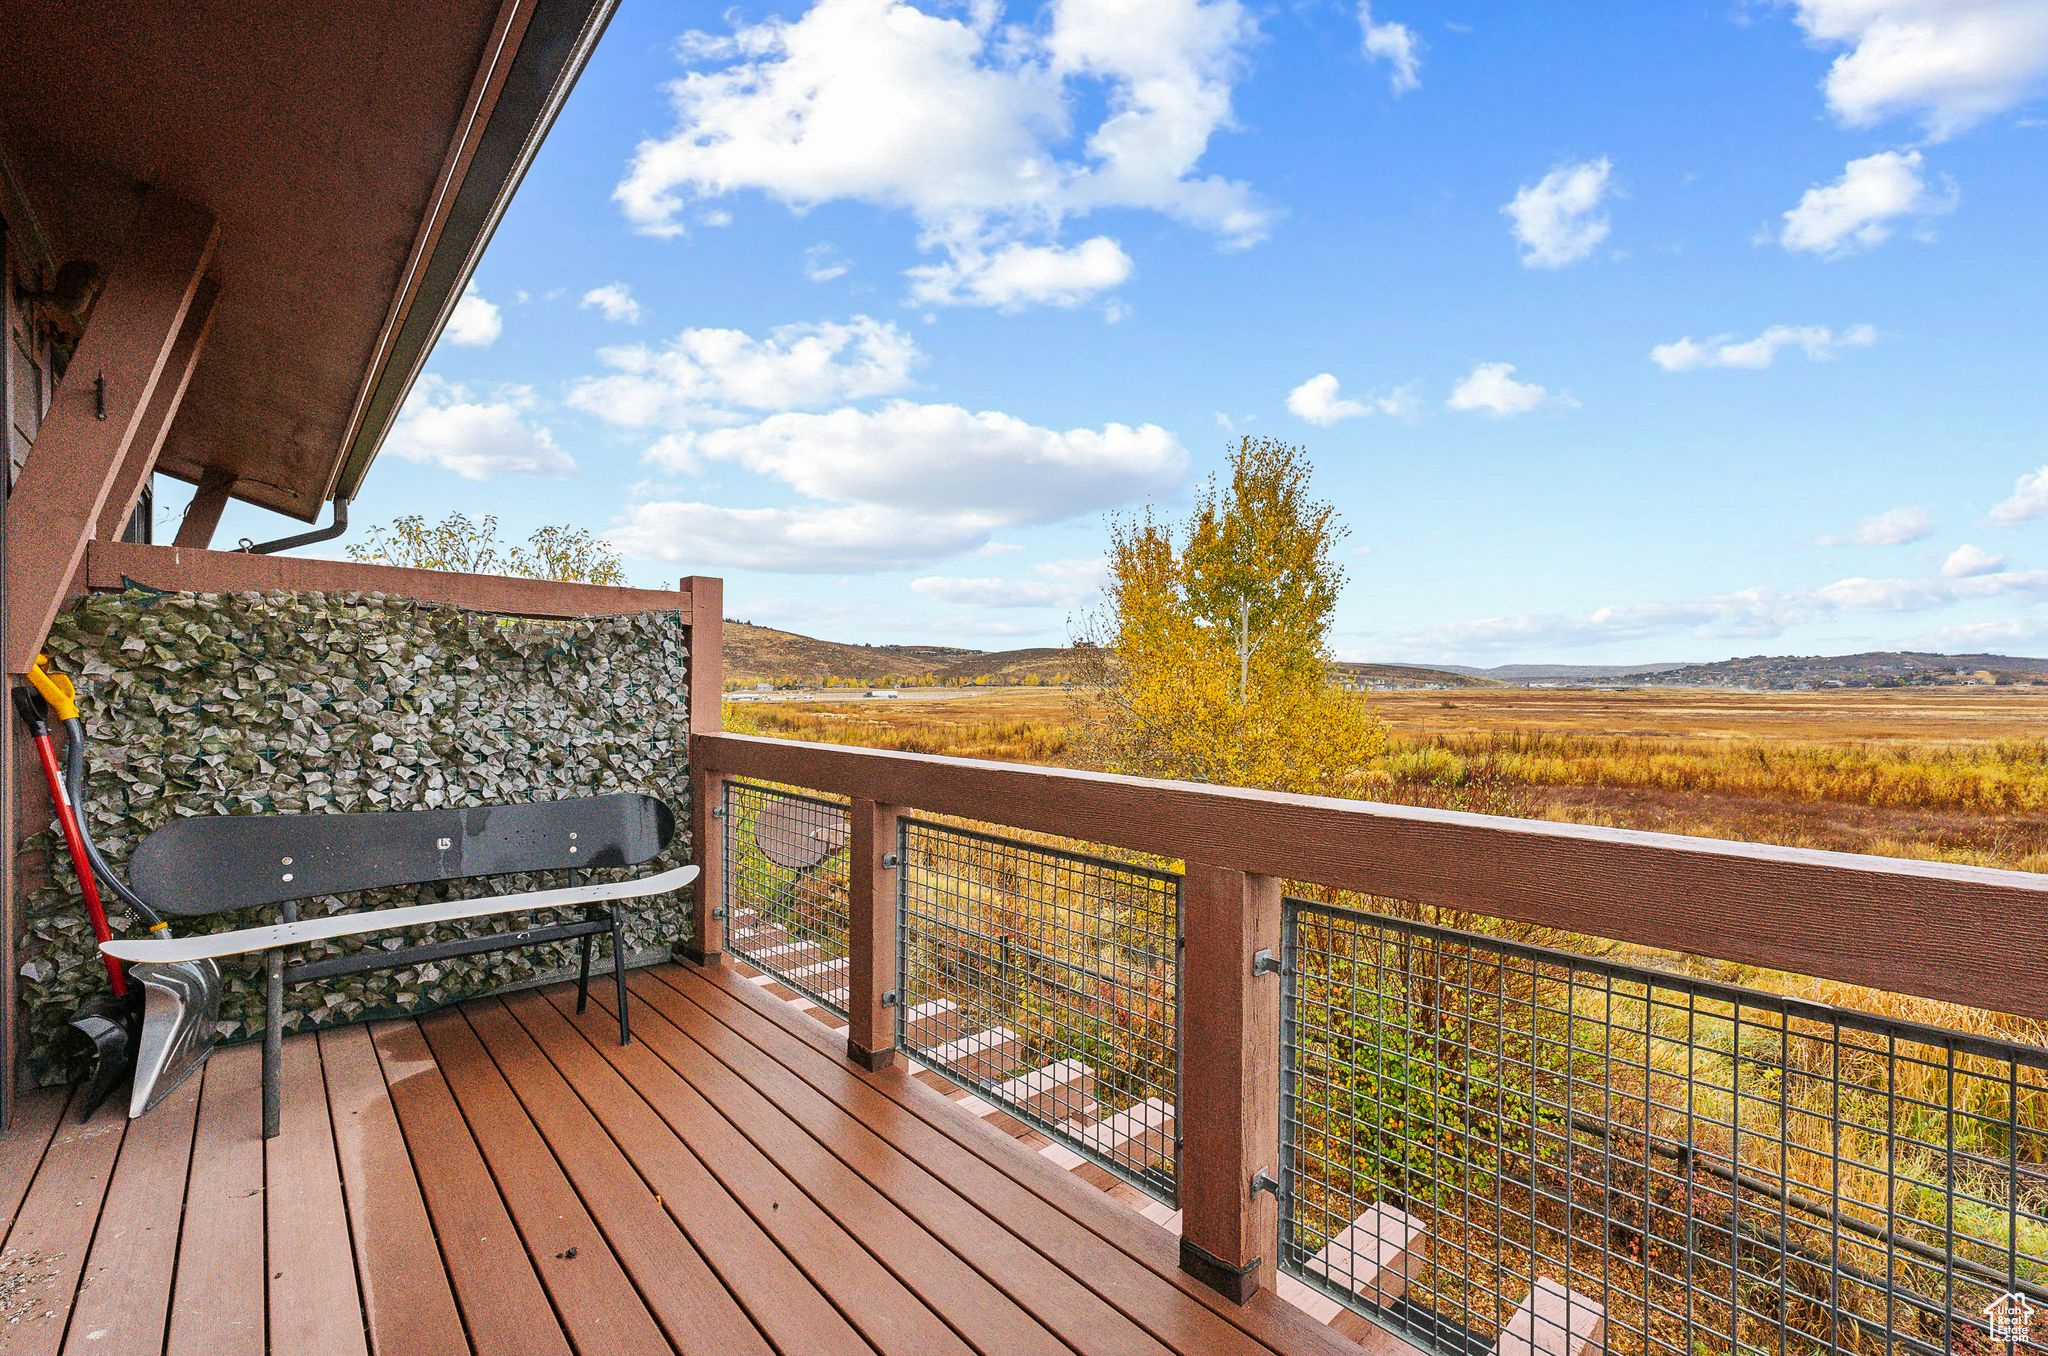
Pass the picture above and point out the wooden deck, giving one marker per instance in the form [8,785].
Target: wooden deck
[506,1178]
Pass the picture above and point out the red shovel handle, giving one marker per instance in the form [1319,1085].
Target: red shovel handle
[75,841]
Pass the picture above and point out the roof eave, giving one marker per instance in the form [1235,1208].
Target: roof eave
[519,93]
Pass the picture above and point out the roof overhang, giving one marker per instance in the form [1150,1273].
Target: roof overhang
[357,154]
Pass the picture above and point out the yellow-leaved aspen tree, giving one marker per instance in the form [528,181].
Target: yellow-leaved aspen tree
[1210,652]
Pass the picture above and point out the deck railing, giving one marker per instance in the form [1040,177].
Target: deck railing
[1526,1133]
[786,886]
[1048,982]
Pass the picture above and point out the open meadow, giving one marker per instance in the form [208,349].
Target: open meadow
[1954,774]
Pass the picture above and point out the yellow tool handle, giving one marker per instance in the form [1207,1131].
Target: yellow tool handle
[55,687]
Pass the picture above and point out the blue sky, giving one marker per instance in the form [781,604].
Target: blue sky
[1615,331]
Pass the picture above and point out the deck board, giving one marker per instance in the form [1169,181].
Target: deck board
[123,1305]
[945,1277]
[1118,1279]
[408,1300]
[598,1305]
[314,1303]
[21,1150]
[505,1178]
[679,1287]
[1274,1322]
[217,1308]
[46,1248]
[505,1310]
[701,1166]
[876,1139]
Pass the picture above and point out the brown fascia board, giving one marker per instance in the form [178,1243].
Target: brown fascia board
[558,38]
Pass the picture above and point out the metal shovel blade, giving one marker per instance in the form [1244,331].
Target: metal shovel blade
[180,1021]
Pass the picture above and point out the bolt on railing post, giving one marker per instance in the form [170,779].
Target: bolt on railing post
[707,841]
[1229,1080]
[871,935]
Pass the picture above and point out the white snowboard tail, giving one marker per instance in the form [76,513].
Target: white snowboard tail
[244,941]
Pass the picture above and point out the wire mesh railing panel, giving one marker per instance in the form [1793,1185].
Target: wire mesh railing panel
[1483,1137]
[1048,982]
[786,888]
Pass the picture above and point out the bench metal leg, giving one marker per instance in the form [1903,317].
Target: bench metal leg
[619,974]
[583,975]
[273,1044]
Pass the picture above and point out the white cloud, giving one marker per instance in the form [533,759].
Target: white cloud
[1861,594]
[1491,388]
[1319,401]
[836,539]
[1557,220]
[1950,63]
[1900,526]
[2028,501]
[616,300]
[703,375]
[1060,583]
[474,322]
[1861,209]
[823,262]
[1917,595]
[986,134]
[1968,562]
[1974,636]
[988,591]
[946,459]
[1015,276]
[899,486]
[444,424]
[1817,342]
[1745,613]
[1396,45]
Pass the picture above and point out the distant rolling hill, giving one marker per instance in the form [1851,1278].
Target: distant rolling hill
[1411,675]
[1876,668]
[1565,673]
[760,654]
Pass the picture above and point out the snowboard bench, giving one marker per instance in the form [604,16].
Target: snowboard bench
[220,863]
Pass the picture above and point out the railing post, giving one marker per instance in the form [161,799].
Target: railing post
[707,836]
[1229,1117]
[871,935]
[707,789]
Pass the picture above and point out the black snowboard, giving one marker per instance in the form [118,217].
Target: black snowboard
[219,862]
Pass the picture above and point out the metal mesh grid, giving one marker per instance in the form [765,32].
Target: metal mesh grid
[786,888]
[1716,1169]
[1047,981]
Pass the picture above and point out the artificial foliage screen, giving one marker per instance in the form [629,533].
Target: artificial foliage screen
[251,703]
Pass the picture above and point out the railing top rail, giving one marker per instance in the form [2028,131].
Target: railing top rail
[1971,935]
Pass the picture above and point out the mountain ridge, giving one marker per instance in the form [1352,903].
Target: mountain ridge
[761,655]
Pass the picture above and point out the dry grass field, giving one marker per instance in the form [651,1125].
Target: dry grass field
[1954,774]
